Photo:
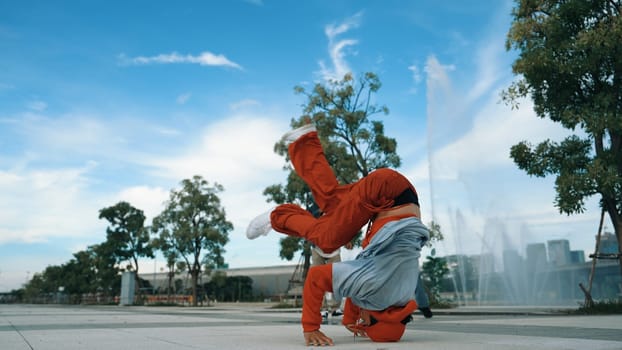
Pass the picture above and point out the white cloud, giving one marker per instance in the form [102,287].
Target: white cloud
[5,86]
[333,30]
[246,103]
[205,58]
[494,130]
[124,139]
[183,98]
[166,131]
[75,133]
[231,151]
[457,41]
[21,268]
[148,199]
[38,205]
[416,73]
[416,77]
[236,152]
[337,48]
[489,67]
[38,106]
[63,203]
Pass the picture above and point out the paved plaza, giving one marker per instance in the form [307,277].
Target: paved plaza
[257,326]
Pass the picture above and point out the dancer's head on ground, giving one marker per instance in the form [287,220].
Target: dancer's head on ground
[387,325]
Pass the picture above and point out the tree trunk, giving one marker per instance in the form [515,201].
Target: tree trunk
[139,288]
[618,231]
[170,286]
[195,280]
[306,252]
[616,220]
[589,302]
[139,295]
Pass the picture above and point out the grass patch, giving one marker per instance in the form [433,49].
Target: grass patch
[443,304]
[286,306]
[163,303]
[605,307]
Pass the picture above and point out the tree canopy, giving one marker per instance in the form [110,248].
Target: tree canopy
[89,271]
[126,234]
[193,227]
[570,65]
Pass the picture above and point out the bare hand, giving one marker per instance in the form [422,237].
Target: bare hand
[317,338]
[357,331]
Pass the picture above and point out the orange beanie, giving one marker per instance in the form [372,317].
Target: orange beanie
[389,326]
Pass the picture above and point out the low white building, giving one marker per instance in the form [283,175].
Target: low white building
[268,281]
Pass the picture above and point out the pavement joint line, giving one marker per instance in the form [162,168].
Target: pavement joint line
[21,335]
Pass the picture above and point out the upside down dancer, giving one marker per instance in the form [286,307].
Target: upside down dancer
[379,285]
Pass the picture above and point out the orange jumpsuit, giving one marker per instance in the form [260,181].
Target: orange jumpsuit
[347,208]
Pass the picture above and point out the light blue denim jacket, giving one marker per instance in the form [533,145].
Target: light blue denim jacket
[385,273]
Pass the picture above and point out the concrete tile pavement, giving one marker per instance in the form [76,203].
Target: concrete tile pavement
[254,326]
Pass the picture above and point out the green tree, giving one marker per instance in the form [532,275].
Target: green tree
[89,271]
[462,273]
[126,236]
[570,64]
[229,288]
[171,261]
[194,226]
[78,274]
[354,144]
[435,235]
[44,284]
[107,272]
[35,287]
[433,271]
[215,288]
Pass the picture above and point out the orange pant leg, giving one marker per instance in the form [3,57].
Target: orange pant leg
[310,164]
[365,198]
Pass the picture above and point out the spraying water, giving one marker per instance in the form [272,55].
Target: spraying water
[489,257]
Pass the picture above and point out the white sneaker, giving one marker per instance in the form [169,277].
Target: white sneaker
[293,135]
[259,226]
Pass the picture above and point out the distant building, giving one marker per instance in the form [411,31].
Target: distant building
[511,260]
[608,244]
[484,263]
[559,252]
[268,281]
[536,257]
[577,256]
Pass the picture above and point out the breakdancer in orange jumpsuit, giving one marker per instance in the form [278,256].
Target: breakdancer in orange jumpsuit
[379,285]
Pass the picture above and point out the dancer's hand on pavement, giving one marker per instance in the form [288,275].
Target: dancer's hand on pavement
[317,338]
[356,330]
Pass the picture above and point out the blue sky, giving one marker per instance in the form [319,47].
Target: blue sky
[103,101]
